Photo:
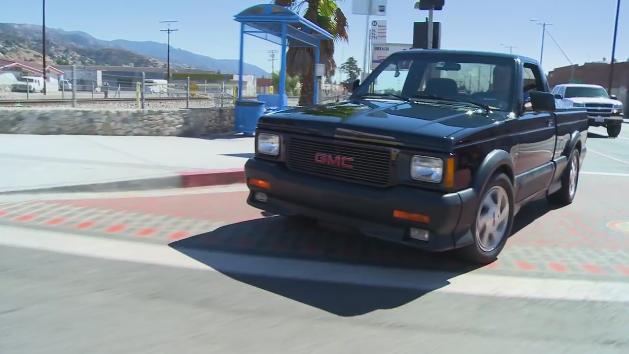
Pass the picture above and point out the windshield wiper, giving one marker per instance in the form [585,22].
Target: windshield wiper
[383,95]
[487,108]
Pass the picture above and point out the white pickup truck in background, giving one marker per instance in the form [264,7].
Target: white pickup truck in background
[602,109]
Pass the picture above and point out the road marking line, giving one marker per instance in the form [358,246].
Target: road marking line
[592,269]
[145,232]
[525,265]
[604,173]
[609,157]
[557,267]
[85,225]
[55,221]
[467,284]
[25,217]
[114,229]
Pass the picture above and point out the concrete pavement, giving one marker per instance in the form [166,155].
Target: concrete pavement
[199,271]
[72,162]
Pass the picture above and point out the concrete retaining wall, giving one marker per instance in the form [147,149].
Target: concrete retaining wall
[183,122]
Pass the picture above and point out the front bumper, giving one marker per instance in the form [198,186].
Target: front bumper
[603,121]
[367,209]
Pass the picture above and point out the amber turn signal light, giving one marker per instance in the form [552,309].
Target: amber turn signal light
[260,183]
[405,215]
[448,179]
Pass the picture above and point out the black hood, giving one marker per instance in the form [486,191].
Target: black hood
[422,125]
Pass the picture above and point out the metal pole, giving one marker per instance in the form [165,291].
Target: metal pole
[168,59]
[282,84]
[541,54]
[315,95]
[241,63]
[44,43]
[73,85]
[93,90]
[188,92]
[63,90]
[366,52]
[142,88]
[430,28]
[611,66]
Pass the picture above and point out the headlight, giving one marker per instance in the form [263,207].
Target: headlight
[576,104]
[268,144]
[427,169]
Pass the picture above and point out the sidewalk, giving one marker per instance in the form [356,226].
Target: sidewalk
[35,163]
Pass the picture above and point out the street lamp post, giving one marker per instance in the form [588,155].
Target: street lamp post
[611,66]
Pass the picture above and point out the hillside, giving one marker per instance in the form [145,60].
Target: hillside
[23,42]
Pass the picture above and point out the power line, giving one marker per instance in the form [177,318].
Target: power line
[168,31]
[558,46]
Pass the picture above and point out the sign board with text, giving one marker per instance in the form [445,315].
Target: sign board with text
[378,31]
[382,51]
[369,7]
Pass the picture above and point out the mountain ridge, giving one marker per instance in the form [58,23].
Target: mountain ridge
[23,42]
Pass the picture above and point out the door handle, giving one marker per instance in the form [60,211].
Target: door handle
[551,123]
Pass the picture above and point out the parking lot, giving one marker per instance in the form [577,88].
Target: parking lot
[198,270]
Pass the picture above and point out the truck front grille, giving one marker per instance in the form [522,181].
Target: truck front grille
[354,163]
[598,109]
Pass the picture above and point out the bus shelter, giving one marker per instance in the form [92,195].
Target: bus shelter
[284,27]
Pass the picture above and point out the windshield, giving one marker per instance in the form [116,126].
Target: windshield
[451,78]
[586,92]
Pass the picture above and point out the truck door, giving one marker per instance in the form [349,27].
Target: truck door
[535,138]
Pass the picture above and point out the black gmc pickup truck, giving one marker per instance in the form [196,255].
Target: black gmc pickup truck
[436,149]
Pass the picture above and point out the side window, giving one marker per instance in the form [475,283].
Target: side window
[531,79]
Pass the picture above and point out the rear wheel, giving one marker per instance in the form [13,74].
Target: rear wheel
[569,182]
[494,219]
[613,129]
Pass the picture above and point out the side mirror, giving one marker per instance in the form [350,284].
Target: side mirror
[355,85]
[558,96]
[613,97]
[542,101]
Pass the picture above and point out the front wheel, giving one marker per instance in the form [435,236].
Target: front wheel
[613,129]
[494,219]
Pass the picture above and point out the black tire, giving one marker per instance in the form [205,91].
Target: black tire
[613,129]
[566,194]
[480,251]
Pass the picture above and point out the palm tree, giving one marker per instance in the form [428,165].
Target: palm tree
[300,61]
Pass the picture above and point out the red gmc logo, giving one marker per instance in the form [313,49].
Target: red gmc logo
[339,161]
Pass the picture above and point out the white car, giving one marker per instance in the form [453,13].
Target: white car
[37,82]
[603,109]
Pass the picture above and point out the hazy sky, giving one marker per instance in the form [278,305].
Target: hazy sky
[582,27]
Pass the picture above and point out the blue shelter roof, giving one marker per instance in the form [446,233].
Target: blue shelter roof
[265,21]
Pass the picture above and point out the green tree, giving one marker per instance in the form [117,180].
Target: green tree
[291,84]
[300,61]
[351,69]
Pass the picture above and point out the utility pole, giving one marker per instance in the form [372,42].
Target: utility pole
[272,60]
[43,28]
[543,24]
[508,46]
[168,31]
[366,51]
[611,66]
[430,28]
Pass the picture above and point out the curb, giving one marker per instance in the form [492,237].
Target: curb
[212,178]
[183,180]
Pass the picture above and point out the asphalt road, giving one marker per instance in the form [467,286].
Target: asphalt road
[198,271]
